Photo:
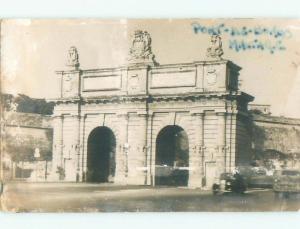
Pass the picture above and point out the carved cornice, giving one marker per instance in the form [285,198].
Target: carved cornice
[115,99]
[153,98]
[69,100]
[193,96]
[189,96]
[62,72]
[149,66]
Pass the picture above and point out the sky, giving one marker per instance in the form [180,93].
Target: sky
[267,50]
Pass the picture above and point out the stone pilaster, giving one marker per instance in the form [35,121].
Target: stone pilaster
[83,149]
[221,145]
[137,139]
[231,142]
[78,148]
[122,151]
[150,162]
[196,158]
[57,148]
[142,165]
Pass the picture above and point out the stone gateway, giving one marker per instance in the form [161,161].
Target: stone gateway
[150,124]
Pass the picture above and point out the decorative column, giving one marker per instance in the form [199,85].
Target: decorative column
[230,146]
[83,149]
[57,149]
[196,158]
[142,164]
[150,161]
[78,148]
[61,141]
[221,147]
[201,148]
[122,150]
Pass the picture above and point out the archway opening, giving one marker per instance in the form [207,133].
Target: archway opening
[172,157]
[101,155]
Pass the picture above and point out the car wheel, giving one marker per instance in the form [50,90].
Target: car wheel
[278,195]
[215,192]
[215,189]
[286,195]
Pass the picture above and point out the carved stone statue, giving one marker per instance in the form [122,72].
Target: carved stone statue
[73,58]
[140,51]
[215,50]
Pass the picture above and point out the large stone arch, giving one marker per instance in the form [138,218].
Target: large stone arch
[159,121]
[101,155]
[172,156]
[91,122]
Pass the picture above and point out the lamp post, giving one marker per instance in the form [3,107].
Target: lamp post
[36,156]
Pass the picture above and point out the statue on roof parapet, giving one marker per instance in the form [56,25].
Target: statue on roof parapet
[73,58]
[215,50]
[140,51]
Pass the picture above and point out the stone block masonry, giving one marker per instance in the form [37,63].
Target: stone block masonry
[176,124]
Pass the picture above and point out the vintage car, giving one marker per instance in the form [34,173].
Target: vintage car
[229,182]
[260,178]
[286,181]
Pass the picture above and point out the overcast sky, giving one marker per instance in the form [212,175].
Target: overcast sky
[32,50]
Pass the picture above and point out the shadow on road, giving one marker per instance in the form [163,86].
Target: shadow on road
[72,197]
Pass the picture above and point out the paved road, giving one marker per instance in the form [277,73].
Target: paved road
[72,197]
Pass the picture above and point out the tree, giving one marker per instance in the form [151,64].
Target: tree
[25,104]
[37,106]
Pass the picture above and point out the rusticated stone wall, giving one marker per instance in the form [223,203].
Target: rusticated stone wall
[21,134]
[276,133]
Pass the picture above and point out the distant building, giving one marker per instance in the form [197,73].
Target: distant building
[263,108]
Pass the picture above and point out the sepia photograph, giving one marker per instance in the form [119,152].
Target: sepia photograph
[150,115]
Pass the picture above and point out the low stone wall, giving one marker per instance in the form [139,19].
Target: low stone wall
[22,134]
[27,120]
[276,133]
